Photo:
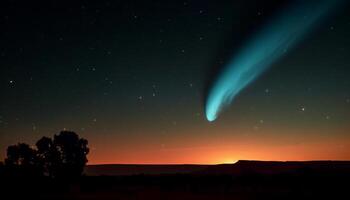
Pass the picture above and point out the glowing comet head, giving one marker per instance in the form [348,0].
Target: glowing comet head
[211,117]
[210,114]
[268,45]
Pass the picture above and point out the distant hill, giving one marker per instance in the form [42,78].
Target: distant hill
[277,167]
[126,169]
[240,168]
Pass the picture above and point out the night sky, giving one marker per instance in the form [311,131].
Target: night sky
[132,77]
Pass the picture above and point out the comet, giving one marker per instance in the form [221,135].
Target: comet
[283,32]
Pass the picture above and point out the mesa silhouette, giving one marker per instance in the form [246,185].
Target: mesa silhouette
[242,167]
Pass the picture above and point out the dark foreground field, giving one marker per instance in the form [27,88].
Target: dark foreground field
[243,180]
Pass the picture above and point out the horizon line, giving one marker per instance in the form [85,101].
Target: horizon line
[92,164]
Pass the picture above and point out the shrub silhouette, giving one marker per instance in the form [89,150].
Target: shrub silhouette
[63,157]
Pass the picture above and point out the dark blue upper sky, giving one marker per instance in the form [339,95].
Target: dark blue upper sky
[127,71]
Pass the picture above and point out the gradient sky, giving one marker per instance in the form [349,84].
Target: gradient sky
[131,77]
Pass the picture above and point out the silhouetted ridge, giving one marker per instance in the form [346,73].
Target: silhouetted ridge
[241,167]
[136,169]
[278,167]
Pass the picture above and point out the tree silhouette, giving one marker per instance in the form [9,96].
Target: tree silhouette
[69,154]
[2,168]
[22,160]
[47,155]
[63,157]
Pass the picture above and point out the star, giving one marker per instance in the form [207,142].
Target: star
[302,109]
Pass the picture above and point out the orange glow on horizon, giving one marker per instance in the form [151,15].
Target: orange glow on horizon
[207,150]
[214,145]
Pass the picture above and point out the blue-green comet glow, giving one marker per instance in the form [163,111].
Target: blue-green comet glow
[266,47]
